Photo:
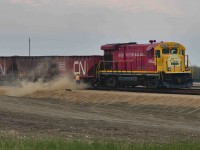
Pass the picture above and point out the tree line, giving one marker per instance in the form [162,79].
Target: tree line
[196,73]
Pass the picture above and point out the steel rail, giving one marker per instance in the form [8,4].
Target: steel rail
[146,90]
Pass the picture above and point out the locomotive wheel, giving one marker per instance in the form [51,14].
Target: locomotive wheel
[111,82]
[152,83]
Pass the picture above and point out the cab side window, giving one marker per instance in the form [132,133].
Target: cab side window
[165,51]
[182,52]
[157,54]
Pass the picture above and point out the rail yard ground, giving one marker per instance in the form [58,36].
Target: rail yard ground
[103,115]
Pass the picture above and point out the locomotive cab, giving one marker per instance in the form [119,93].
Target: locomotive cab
[173,65]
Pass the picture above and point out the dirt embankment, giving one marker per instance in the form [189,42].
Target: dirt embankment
[110,97]
[56,90]
[23,88]
[50,110]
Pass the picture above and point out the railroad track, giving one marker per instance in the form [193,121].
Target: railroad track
[145,90]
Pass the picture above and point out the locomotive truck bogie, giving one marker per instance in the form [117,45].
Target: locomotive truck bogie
[150,81]
[176,80]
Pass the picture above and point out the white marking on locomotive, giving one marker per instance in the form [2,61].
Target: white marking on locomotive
[151,61]
[174,60]
[121,55]
[81,68]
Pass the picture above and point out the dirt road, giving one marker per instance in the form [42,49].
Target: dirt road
[100,114]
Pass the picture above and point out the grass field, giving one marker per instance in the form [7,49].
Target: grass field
[61,144]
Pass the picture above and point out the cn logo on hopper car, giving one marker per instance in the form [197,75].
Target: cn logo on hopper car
[80,67]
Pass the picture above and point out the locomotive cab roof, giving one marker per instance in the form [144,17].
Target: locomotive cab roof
[150,46]
[115,45]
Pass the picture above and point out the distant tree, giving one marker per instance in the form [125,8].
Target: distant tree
[196,73]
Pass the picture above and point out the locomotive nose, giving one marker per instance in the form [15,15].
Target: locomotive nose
[174,64]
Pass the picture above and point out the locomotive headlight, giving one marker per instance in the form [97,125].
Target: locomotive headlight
[187,69]
[169,69]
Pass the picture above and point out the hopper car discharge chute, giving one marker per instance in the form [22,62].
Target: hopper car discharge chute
[154,65]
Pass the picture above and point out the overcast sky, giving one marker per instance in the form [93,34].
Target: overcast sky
[80,27]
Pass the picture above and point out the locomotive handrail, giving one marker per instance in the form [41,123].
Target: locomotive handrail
[191,68]
[105,66]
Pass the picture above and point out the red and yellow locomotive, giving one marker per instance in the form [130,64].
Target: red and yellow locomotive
[153,65]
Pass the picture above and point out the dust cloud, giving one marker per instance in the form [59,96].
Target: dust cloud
[24,88]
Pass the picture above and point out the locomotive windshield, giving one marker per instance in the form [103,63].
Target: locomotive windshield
[173,51]
[165,51]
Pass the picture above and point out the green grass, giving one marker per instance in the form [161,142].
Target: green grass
[61,144]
